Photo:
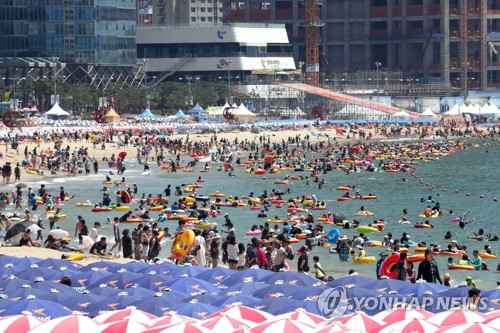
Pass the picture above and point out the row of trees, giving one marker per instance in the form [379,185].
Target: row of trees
[166,98]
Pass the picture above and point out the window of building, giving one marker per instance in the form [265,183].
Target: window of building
[193,9]
[202,9]
[209,9]
[193,19]
[202,19]
[209,19]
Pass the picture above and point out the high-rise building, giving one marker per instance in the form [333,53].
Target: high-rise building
[90,37]
[442,41]
[182,12]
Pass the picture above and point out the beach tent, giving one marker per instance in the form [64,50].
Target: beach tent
[401,114]
[197,112]
[147,114]
[455,110]
[215,111]
[57,113]
[180,114]
[428,114]
[111,116]
[243,114]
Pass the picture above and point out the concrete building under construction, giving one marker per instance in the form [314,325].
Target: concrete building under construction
[450,42]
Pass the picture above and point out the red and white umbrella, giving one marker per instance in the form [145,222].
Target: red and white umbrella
[127,313]
[359,321]
[223,324]
[123,326]
[393,315]
[493,322]
[469,328]
[304,317]
[240,312]
[171,318]
[333,327]
[281,325]
[409,326]
[179,328]
[19,323]
[71,323]
[457,316]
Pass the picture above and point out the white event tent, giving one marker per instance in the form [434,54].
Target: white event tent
[56,113]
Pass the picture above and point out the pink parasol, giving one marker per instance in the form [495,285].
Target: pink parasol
[240,312]
[123,326]
[333,327]
[71,323]
[171,318]
[127,313]
[19,323]
[179,328]
[304,317]
[457,316]
[359,321]
[470,328]
[281,325]
[395,315]
[223,324]
[409,326]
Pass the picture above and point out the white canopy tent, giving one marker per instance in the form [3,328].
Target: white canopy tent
[56,113]
[243,114]
[401,114]
[428,114]
[456,110]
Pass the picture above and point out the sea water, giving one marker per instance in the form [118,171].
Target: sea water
[473,171]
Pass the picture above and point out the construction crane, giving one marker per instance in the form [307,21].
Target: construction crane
[313,25]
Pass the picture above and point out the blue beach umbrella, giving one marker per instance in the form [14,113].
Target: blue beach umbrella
[358,280]
[248,275]
[204,298]
[118,280]
[275,306]
[58,295]
[160,303]
[293,278]
[25,291]
[387,285]
[215,275]
[106,266]
[9,270]
[139,292]
[104,290]
[32,273]
[27,262]
[277,290]
[308,293]
[160,269]
[418,289]
[6,260]
[11,284]
[112,303]
[187,271]
[155,282]
[224,301]
[246,288]
[88,278]
[135,266]
[39,308]
[191,286]
[58,264]
[195,310]
[82,302]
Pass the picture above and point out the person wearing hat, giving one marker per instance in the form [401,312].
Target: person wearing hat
[454,246]
[343,248]
[380,263]
[361,252]
[227,220]
[468,281]
[303,260]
